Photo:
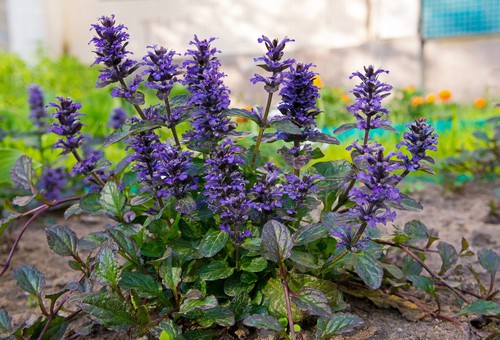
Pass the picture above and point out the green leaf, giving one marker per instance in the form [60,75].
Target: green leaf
[309,233]
[321,137]
[9,158]
[241,113]
[90,203]
[287,126]
[338,324]
[263,321]
[189,305]
[213,241]
[313,301]
[449,256]
[276,242]
[368,269]
[92,241]
[407,203]
[216,270]
[62,240]
[55,330]
[72,210]
[22,173]
[481,307]
[327,287]
[410,266]
[107,268]
[345,127]
[489,260]
[4,222]
[253,264]
[393,270]
[235,285]
[109,310]
[335,172]
[170,274]
[145,285]
[423,283]
[112,199]
[5,322]
[185,205]
[125,130]
[241,306]
[126,244]
[29,279]
[306,259]
[416,230]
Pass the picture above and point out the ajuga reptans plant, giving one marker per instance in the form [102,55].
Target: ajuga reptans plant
[207,236]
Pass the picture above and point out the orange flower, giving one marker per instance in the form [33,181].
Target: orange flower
[480,102]
[417,101]
[430,98]
[345,98]
[409,89]
[318,82]
[444,95]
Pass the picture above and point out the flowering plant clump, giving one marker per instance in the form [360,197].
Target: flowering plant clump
[203,236]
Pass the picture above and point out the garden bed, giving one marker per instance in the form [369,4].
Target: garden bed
[453,215]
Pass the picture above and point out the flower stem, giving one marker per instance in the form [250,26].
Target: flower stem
[286,290]
[261,130]
[172,128]
[93,174]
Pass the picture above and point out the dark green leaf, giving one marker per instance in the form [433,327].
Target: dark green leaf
[125,130]
[141,198]
[107,269]
[295,162]
[393,270]
[481,135]
[489,260]
[126,244]
[423,283]
[72,210]
[276,242]
[185,205]
[55,330]
[145,285]
[216,270]
[388,128]
[332,221]
[410,266]
[213,242]
[334,172]
[344,128]
[338,324]
[22,173]
[263,321]
[5,322]
[29,279]
[320,137]
[200,334]
[62,240]
[416,230]
[449,256]
[170,274]
[313,301]
[109,310]
[407,203]
[481,307]
[92,241]
[235,286]
[241,113]
[309,233]
[185,250]
[112,199]
[286,126]
[327,287]
[253,264]
[90,203]
[222,316]
[306,259]
[368,269]
[241,306]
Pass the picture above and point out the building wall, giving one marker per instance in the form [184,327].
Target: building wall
[337,36]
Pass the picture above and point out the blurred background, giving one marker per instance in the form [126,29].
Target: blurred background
[430,44]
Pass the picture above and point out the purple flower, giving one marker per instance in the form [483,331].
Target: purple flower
[38,113]
[52,181]
[111,42]
[298,190]
[88,164]
[369,93]
[173,169]
[69,125]
[378,185]
[225,188]
[266,193]
[345,236]
[272,62]
[161,71]
[118,118]
[209,96]
[299,96]
[418,141]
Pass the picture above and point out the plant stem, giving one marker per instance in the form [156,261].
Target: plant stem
[122,83]
[261,131]
[286,290]
[172,128]
[93,174]
[296,144]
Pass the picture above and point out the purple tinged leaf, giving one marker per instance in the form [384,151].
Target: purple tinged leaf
[481,307]
[263,321]
[338,324]
[22,173]
[29,279]
[62,240]
[277,242]
[368,269]
[489,260]
[448,254]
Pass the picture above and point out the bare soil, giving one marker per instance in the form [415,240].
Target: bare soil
[453,215]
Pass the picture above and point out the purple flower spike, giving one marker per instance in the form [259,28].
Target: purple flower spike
[118,118]
[299,96]
[298,190]
[369,93]
[161,70]
[173,171]
[52,181]
[69,125]
[209,96]
[272,62]
[418,141]
[266,192]
[37,107]
[345,236]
